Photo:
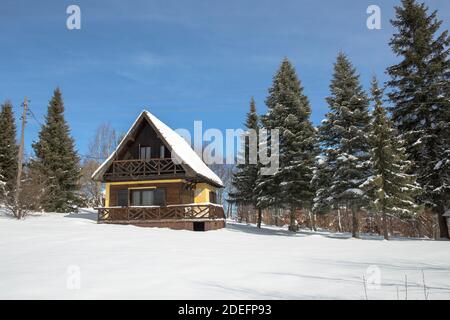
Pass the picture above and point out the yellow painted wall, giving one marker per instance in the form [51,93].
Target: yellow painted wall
[107,191]
[202,192]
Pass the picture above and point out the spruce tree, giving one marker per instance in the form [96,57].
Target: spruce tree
[245,178]
[321,182]
[8,146]
[57,160]
[420,92]
[289,112]
[392,188]
[344,140]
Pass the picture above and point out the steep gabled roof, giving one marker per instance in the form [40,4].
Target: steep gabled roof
[179,147]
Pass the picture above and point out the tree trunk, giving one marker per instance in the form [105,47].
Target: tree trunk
[314,221]
[347,219]
[339,220]
[391,225]
[292,225]
[259,217]
[355,231]
[442,221]
[385,226]
[310,220]
[379,223]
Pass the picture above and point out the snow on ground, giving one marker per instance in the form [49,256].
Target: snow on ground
[42,256]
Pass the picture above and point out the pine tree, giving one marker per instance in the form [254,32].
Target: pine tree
[289,112]
[245,178]
[57,160]
[344,140]
[392,189]
[8,146]
[421,96]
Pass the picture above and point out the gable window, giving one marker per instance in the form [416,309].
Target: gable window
[148,197]
[145,153]
[162,152]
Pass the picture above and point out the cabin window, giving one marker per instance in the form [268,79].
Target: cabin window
[212,197]
[159,197]
[145,153]
[148,197]
[122,198]
[162,152]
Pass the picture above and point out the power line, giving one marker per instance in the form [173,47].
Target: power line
[35,118]
[91,157]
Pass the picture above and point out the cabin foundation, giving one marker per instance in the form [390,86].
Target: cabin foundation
[206,225]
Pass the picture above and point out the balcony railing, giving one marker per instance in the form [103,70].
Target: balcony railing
[137,168]
[152,213]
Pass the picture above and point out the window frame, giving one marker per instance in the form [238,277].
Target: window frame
[141,190]
[213,196]
[147,153]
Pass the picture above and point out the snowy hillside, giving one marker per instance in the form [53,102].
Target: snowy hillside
[40,257]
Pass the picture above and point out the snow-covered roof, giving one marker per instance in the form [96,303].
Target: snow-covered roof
[179,147]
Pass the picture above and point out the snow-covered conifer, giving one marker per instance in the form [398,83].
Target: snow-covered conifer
[393,190]
[289,112]
[57,160]
[420,91]
[344,141]
[8,146]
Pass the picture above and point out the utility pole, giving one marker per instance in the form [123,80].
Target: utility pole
[21,148]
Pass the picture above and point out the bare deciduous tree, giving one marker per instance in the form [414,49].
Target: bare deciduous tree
[102,145]
[225,173]
[28,199]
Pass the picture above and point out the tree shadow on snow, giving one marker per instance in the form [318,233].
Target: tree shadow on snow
[278,231]
[248,228]
[83,213]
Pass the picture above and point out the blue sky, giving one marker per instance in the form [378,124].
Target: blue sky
[182,60]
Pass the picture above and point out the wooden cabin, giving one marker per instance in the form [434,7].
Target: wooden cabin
[154,178]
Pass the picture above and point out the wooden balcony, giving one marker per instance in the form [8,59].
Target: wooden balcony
[137,169]
[157,213]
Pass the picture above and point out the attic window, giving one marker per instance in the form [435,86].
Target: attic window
[162,152]
[145,153]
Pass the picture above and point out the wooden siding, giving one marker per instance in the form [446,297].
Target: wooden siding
[145,137]
[176,193]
